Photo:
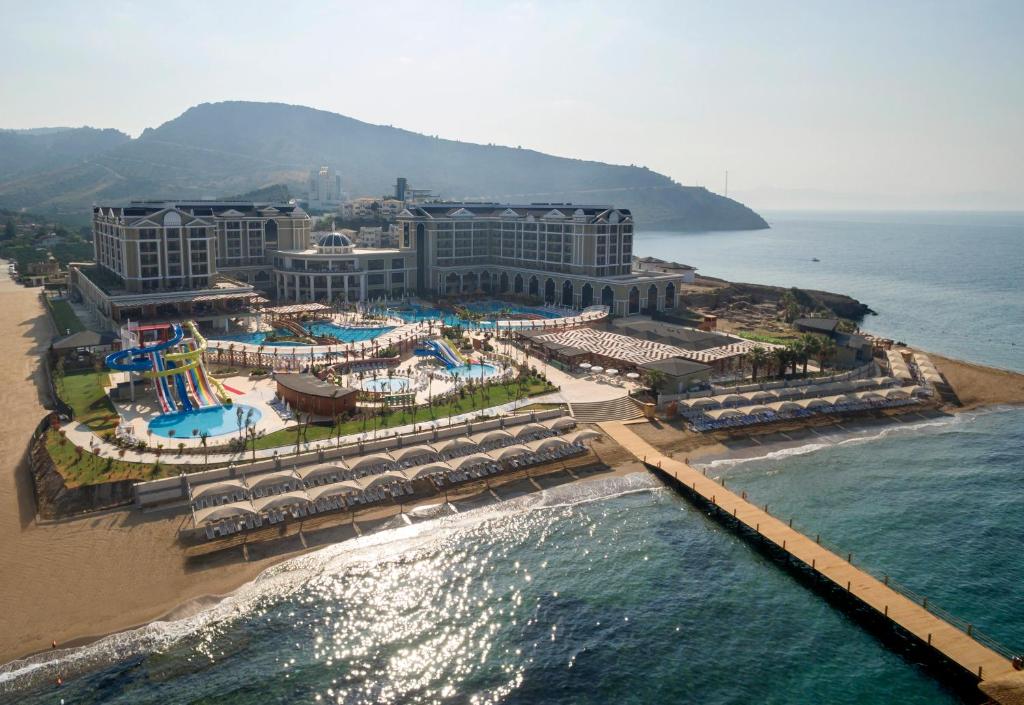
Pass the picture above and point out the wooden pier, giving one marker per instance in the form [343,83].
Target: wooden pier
[994,672]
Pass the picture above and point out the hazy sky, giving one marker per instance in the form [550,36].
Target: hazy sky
[807,104]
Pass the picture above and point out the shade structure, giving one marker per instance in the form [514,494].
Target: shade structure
[334,489]
[703,403]
[368,460]
[812,403]
[546,443]
[315,473]
[868,396]
[225,511]
[411,452]
[611,372]
[454,444]
[214,489]
[562,422]
[585,366]
[427,470]
[494,436]
[762,395]
[633,375]
[469,460]
[272,479]
[384,478]
[508,452]
[717,414]
[529,428]
[597,368]
[585,434]
[755,409]
[781,406]
[278,501]
[732,399]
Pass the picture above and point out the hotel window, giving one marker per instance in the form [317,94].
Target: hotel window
[398,263]
[405,235]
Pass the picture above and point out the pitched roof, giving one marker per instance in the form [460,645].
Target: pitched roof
[310,384]
[824,325]
[675,366]
[84,339]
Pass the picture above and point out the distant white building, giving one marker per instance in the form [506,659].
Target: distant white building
[325,189]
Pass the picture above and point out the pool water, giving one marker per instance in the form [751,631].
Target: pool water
[214,420]
[424,313]
[344,334]
[386,384]
[472,371]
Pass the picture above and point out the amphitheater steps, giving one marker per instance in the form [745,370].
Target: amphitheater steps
[619,409]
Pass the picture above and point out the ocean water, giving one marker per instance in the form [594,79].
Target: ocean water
[619,591]
[946,282]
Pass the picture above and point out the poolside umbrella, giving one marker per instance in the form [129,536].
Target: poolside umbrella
[633,375]
[597,368]
[585,366]
[612,372]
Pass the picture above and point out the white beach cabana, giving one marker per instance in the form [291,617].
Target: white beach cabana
[508,452]
[581,436]
[762,395]
[543,444]
[317,474]
[272,480]
[412,452]
[384,478]
[529,428]
[718,414]
[427,470]
[470,460]
[702,403]
[454,444]
[280,501]
[495,436]
[228,488]
[236,510]
[782,406]
[364,461]
[561,423]
[815,403]
[732,399]
[333,489]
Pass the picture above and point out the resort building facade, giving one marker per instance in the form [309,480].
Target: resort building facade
[165,259]
[561,253]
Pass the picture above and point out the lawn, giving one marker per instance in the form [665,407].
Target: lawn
[83,392]
[88,469]
[761,336]
[64,318]
[498,394]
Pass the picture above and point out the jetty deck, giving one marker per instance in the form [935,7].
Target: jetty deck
[957,646]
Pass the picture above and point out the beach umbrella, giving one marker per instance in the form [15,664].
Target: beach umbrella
[597,368]
[633,375]
[585,366]
[612,372]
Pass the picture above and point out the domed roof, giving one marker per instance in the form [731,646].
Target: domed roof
[334,242]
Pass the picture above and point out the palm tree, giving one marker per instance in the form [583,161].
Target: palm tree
[203,436]
[655,379]
[758,359]
[780,356]
[827,351]
[812,348]
[797,354]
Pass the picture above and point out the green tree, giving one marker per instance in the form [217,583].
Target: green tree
[10,230]
[758,359]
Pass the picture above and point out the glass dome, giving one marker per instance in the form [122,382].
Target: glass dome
[334,243]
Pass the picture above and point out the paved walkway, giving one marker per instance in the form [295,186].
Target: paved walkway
[81,435]
[956,645]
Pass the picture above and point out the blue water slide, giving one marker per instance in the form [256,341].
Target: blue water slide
[179,382]
[139,357]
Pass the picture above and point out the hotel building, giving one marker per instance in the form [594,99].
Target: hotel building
[211,260]
[561,253]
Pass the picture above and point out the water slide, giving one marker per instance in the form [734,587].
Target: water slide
[441,350]
[195,388]
[163,390]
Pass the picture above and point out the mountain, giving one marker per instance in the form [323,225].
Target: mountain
[235,147]
[25,152]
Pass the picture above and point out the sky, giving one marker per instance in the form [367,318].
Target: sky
[821,105]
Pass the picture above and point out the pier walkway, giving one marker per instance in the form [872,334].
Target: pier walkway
[957,646]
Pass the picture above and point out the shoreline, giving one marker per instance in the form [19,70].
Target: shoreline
[81,579]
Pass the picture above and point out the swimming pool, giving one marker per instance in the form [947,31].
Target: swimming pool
[415,313]
[214,420]
[344,334]
[387,385]
[472,371]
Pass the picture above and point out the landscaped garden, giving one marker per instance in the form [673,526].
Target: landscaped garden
[83,392]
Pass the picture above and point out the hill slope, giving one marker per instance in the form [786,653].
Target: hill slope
[229,147]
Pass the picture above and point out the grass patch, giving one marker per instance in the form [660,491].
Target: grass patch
[64,317]
[498,394]
[85,468]
[765,337]
[83,392]
[539,407]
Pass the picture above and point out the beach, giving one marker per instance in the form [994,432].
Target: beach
[77,579]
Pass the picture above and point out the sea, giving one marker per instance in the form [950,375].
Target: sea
[618,590]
